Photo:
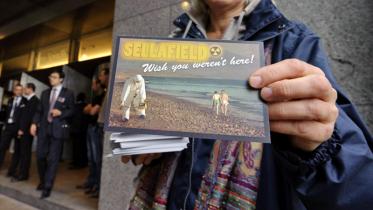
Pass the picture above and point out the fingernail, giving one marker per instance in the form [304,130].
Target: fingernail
[266,92]
[255,81]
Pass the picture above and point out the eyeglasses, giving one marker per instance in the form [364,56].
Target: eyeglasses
[53,77]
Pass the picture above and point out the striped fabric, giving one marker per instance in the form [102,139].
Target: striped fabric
[231,181]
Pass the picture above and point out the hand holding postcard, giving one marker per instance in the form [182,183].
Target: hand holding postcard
[187,88]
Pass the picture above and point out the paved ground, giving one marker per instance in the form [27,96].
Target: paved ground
[8,203]
[64,194]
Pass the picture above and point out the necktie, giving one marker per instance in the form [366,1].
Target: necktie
[52,101]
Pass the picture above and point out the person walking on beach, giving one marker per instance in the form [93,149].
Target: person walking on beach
[216,102]
[224,98]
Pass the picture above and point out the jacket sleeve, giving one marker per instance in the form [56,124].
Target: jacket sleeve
[29,114]
[68,112]
[38,110]
[338,174]
[24,117]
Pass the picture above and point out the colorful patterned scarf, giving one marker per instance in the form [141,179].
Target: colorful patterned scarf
[230,182]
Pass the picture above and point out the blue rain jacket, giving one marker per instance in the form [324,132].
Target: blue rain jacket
[338,175]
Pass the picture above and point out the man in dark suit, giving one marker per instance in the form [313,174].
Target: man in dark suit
[13,114]
[24,132]
[51,122]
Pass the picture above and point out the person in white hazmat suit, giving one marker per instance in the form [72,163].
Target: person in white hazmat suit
[133,94]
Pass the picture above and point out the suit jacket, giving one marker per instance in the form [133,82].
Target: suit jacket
[28,113]
[60,124]
[17,111]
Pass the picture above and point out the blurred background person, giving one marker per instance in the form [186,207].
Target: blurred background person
[12,123]
[78,133]
[103,77]
[51,122]
[95,134]
[26,138]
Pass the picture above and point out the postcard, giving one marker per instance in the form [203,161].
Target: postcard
[190,88]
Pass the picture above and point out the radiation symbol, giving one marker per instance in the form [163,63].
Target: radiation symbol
[215,51]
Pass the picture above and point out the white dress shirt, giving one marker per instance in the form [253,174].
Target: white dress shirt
[29,96]
[16,102]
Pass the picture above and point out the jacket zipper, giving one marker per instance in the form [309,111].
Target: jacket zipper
[190,177]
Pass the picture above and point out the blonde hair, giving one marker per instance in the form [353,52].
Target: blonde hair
[199,7]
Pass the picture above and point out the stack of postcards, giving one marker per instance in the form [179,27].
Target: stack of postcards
[134,144]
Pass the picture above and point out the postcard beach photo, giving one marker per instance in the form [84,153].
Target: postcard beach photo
[187,88]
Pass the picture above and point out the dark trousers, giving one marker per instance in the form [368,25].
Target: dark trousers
[25,156]
[15,158]
[79,141]
[48,156]
[10,132]
[95,149]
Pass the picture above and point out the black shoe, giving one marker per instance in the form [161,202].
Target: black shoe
[22,178]
[89,190]
[15,179]
[45,194]
[9,175]
[40,187]
[142,117]
[83,186]
[72,167]
[19,179]
[76,167]
[95,194]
